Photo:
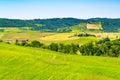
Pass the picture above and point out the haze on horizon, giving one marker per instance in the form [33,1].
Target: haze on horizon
[31,9]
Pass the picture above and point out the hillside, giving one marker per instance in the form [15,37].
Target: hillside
[97,25]
[63,24]
[41,24]
[24,63]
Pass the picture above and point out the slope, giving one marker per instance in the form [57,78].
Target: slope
[24,63]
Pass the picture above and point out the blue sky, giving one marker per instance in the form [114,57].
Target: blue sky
[30,9]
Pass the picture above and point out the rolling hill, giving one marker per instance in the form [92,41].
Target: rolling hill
[64,24]
[26,63]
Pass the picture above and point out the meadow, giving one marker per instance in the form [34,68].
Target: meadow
[47,37]
[26,63]
[50,37]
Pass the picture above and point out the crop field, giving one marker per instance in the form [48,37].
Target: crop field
[81,40]
[59,40]
[49,37]
[1,35]
[24,35]
[110,35]
[59,37]
[94,26]
[24,63]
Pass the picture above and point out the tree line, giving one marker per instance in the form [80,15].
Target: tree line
[58,47]
[103,47]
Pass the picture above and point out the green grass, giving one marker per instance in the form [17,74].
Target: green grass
[78,28]
[24,63]
[49,37]
[81,40]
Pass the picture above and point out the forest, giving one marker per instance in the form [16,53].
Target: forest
[54,24]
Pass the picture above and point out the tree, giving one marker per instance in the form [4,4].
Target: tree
[53,46]
[103,40]
[1,40]
[36,44]
[87,49]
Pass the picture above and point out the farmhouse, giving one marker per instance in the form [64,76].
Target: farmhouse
[23,41]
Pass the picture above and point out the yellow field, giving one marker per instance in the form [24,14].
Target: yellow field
[48,38]
[110,35]
[25,35]
[59,37]
[1,35]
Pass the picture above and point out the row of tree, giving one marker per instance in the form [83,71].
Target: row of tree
[103,47]
[58,47]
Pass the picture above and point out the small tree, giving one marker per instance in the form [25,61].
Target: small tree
[36,44]
[16,42]
[1,40]
[53,46]
[103,40]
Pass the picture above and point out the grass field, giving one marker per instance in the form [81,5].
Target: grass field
[59,37]
[81,40]
[110,35]
[24,63]
[48,38]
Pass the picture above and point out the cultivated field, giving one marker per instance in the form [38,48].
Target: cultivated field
[94,26]
[110,35]
[24,63]
[81,40]
[24,35]
[49,37]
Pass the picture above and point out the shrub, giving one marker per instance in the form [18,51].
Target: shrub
[1,40]
[108,48]
[36,44]
[103,40]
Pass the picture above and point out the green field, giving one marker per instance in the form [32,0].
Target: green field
[50,37]
[25,63]
[81,40]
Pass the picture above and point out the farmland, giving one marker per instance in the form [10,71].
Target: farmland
[28,63]
[24,63]
[59,40]
[48,37]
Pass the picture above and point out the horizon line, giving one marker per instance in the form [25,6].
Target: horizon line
[61,18]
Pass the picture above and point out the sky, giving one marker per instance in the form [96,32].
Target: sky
[82,9]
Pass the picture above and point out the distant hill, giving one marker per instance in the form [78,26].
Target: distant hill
[97,25]
[108,25]
[64,24]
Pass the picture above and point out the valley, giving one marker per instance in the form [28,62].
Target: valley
[75,51]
